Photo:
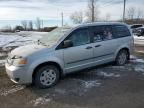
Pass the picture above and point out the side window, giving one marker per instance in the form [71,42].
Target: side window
[80,37]
[107,35]
[97,33]
[120,31]
[100,33]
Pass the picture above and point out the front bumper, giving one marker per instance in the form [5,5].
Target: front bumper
[17,74]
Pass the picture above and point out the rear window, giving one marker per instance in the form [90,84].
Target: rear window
[120,31]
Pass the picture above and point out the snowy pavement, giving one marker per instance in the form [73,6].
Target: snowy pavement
[108,86]
[20,38]
[9,41]
[2,62]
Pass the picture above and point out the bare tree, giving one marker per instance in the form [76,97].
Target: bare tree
[7,28]
[92,12]
[107,17]
[131,12]
[38,23]
[30,25]
[139,13]
[77,17]
[24,24]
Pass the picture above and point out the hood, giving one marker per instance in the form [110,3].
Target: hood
[27,50]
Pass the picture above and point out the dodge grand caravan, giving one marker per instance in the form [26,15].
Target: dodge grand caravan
[66,49]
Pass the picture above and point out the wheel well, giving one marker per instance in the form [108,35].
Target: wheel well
[127,51]
[47,63]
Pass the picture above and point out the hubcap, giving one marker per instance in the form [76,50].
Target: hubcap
[48,77]
[122,58]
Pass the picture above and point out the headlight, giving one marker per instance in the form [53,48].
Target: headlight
[19,61]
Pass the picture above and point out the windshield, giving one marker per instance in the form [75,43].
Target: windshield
[54,36]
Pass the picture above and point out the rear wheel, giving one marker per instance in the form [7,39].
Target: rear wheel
[122,57]
[46,76]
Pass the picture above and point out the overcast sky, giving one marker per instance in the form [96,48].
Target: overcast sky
[51,9]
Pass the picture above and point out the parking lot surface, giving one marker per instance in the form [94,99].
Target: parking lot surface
[105,86]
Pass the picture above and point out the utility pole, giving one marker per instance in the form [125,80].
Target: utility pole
[62,18]
[93,10]
[124,10]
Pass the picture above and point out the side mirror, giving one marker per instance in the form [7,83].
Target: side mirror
[67,43]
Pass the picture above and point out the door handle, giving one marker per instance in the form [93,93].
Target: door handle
[97,46]
[89,47]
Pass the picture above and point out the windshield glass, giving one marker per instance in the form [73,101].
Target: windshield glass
[54,36]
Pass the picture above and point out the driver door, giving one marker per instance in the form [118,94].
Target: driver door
[80,55]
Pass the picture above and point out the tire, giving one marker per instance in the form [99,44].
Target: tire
[122,57]
[46,76]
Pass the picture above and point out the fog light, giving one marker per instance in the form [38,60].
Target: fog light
[23,61]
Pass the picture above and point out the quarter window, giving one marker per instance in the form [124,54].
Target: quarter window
[80,37]
[121,31]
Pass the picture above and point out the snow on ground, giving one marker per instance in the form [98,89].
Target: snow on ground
[11,90]
[19,39]
[5,39]
[139,60]
[88,84]
[78,86]
[132,57]
[139,64]
[107,75]
[136,60]
[139,68]
[83,87]
[9,41]
[2,54]
[34,35]
[41,100]
[2,62]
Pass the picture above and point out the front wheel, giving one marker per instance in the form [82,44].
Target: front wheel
[122,57]
[46,76]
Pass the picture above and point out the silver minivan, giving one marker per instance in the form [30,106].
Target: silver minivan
[69,49]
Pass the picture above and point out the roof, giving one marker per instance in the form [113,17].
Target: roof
[101,23]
